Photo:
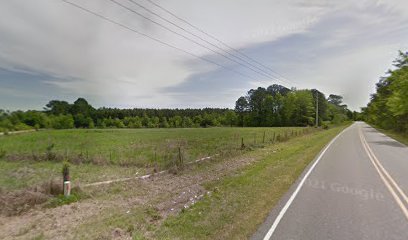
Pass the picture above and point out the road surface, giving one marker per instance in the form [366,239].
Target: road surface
[356,189]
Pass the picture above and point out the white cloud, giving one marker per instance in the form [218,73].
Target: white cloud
[98,58]
[89,57]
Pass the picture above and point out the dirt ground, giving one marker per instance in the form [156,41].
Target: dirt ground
[166,193]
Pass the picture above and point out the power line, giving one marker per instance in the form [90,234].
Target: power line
[152,38]
[216,39]
[188,38]
[197,36]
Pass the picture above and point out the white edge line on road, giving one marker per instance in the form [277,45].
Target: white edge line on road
[289,202]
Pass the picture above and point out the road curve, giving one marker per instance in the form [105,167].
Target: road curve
[356,189]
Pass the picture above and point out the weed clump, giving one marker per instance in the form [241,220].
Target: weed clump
[50,155]
[52,187]
[2,153]
[176,162]
[17,202]
[65,171]
[153,213]
[63,200]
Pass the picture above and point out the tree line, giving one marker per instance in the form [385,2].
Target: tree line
[80,114]
[277,105]
[266,107]
[388,107]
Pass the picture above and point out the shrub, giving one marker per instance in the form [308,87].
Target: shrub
[21,127]
[62,122]
[49,154]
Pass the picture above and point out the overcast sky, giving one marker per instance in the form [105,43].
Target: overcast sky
[52,50]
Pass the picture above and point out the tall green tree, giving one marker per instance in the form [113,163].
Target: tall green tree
[241,107]
[388,107]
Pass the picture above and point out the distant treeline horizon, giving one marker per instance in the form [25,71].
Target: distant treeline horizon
[275,106]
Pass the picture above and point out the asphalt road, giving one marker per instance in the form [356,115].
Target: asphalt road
[355,189]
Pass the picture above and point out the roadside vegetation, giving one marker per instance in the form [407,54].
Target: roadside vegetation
[274,106]
[388,108]
[141,148]
[162,206]
[159,173]
[32,161]
[242,201]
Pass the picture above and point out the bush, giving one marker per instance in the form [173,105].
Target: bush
[325,125]
[62,122]
[21,127]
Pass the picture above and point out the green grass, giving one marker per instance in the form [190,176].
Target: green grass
[242,201]
[62,200]
[238,203]
[104,153]
[23,174]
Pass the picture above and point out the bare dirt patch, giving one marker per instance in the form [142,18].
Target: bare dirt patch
[166,193]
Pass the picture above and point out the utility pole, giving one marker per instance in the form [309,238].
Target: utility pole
[317,108]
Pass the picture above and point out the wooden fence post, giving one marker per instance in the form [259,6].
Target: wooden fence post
[263,139]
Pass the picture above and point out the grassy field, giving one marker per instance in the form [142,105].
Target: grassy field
[241,202]
[235,204]
[227,197]
[100,154]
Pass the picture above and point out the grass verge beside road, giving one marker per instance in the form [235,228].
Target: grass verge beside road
[240,203]
[32,158]
[400,137]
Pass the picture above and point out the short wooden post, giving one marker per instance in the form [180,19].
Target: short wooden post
[180,158]
[66,180]
[156,167]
